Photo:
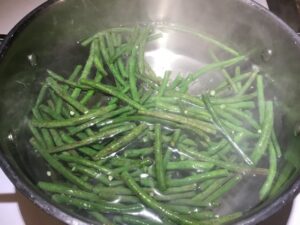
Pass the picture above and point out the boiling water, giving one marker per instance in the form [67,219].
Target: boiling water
[182,53]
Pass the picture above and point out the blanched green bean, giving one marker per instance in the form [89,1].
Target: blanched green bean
[264,139]
[123,141]
[265,189]
[111,91]
[74,121]
[92,139]
[158,156]
[197,178]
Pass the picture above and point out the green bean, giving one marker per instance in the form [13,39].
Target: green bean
[216,185]
[150,74]
[132,75]
[178,80]
[164,84]
[122,68]
[104,207]
[264,139]
[202,36]
[54,134]
[247,84]
[111,91]
[241,105]
[74,121]
[197,178]
[239,129]
[135,153]
[73,84]
[206,184]
[214,66]
[90,93]
[196,124]
[85,150]
[218,123]
[189,165]
[101,218]
[60,92]
[188,202]
[215,148]
[86,69]
[122,50]
[98,62]
[276,144]
[41,95]
[244,116]
[60,102]
[229,166]
[283,177]
[233,100]
[115,30]
[85,162]
[113,190]
[56,138]
[36,134]
[59,167]
[150,202]
[226,74]
[111,66]
[116,145]
[224,189]
[159,168]
[267,186]
[141,52]
[236,79]
[260,98]
[70,191]
[133,220]
[110,44]
[92,173]
[47,139]
[133,167]
[193,213]
[225,219]
[97,119]
[228,117]
[181,189]
[175,137]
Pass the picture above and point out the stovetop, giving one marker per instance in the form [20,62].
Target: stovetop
[15,209]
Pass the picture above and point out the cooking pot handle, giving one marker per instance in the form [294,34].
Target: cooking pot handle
[2,36]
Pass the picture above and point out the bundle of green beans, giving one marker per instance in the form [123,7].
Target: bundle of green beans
[124,140]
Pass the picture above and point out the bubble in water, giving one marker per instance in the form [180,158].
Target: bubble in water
[266,55]
[255,68]
[10,137]
[212,93]
[32,59]
[144,175]
[48,173]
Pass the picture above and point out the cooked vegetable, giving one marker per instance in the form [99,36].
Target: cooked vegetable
[125,141]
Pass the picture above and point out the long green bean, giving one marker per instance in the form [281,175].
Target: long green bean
[118,144]
[147,200]
[224,131]
[159,168]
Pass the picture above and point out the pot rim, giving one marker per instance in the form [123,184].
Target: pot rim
[70,218]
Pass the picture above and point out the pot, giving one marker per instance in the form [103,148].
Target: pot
[48,38]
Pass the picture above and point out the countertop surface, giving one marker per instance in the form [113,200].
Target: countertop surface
[15,209]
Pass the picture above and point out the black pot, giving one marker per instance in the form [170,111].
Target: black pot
[48,36]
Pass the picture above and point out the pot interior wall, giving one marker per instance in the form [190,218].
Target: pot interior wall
[50,40]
